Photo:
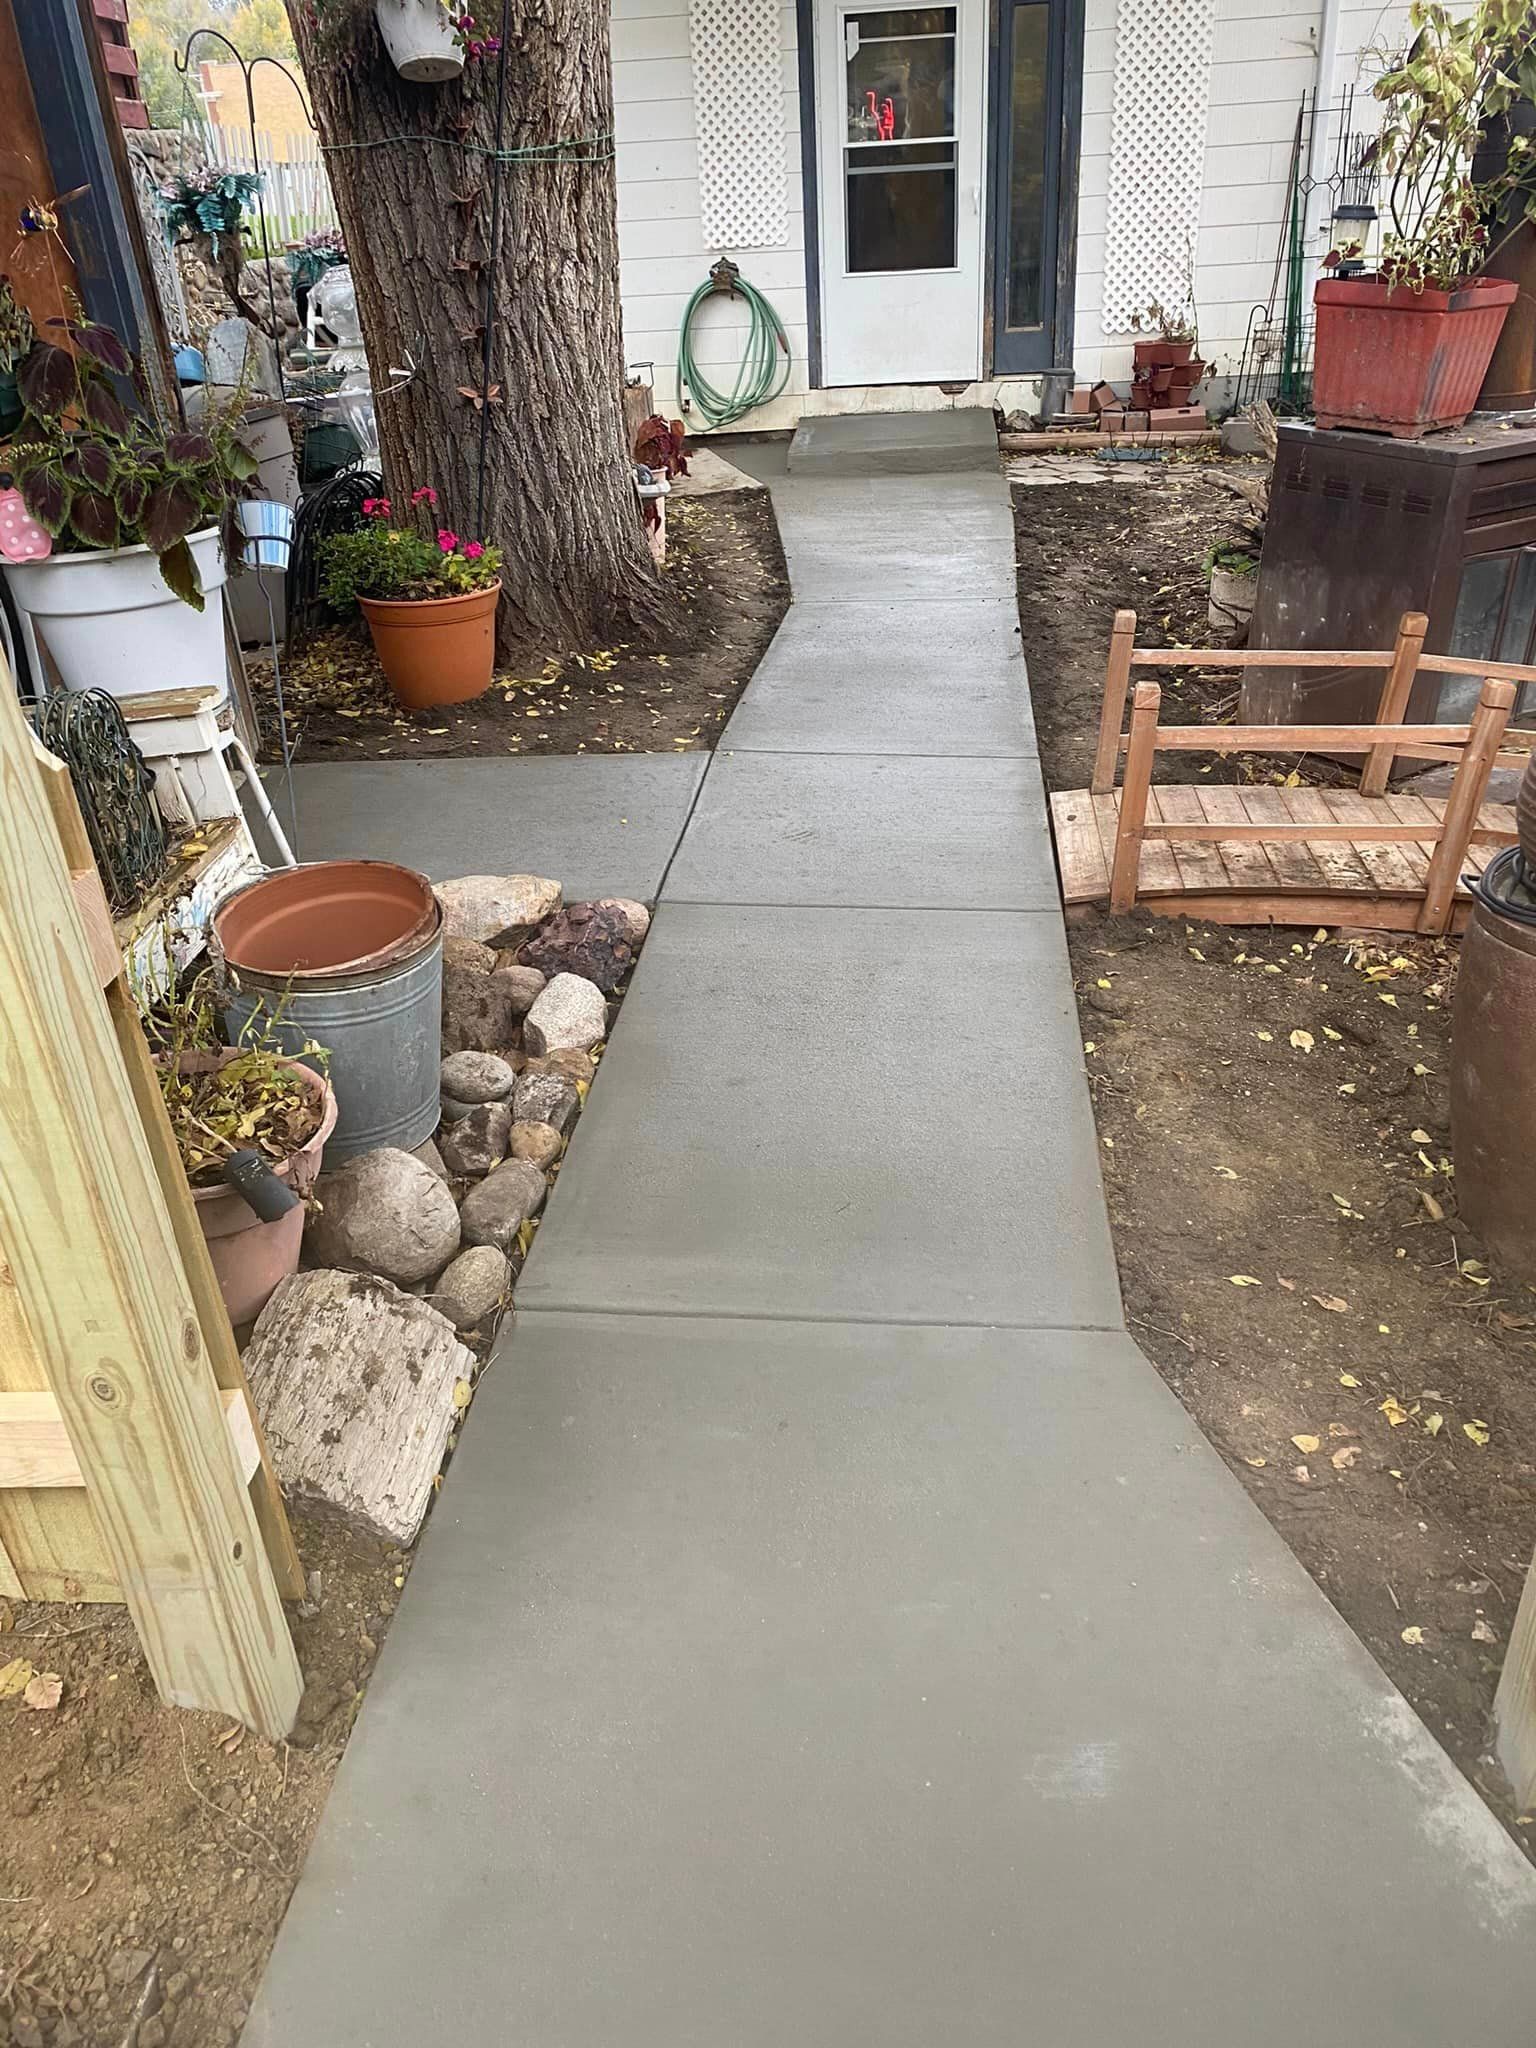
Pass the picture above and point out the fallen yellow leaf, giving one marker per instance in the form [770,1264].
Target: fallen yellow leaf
[1244,1280]
[15,1677]
[1307,1444]
[1433,1424]
[1393,1410]
[1478,1431]
[1413,1637]
[1347,1379]
[1302,1040]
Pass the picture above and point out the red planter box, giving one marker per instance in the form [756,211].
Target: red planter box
[1394,361]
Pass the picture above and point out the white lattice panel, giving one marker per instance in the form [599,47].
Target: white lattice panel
[1157,153]
[738,94]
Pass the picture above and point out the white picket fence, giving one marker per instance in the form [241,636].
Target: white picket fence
[296,191]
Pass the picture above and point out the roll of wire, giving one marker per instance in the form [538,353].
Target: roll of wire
[765,358]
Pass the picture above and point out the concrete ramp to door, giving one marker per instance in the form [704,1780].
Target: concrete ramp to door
[895,443]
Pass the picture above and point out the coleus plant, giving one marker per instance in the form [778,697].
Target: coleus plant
[98,475]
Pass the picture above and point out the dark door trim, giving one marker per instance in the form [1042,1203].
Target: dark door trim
[1046,350]
[805,50]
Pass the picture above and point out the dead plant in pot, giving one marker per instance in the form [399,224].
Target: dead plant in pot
[250,1124]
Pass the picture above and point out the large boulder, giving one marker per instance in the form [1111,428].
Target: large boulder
[478,1141]
[498,910]
[570,1016]
[545,1098]
[497,1208]
[384,1212]
[477,1077]
[474,1287]
[594,940]
[357,1385]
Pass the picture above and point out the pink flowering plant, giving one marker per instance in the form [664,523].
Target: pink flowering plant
[471,33]
[422,559]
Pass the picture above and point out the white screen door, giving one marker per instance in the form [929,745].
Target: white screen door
[901,93]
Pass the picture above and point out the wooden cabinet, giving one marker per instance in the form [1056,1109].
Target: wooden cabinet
[1362,529]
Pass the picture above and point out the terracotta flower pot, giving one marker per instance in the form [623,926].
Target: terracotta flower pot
[435,650]
[1161,355]
[250,1257]
[1391,360]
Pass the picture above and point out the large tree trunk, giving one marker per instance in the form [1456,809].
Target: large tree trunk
[559,497]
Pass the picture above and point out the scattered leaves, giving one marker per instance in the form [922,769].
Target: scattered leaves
[1244,1280]
[1477,1431]
[1393,1410]
[1303,1040]
[1347,1379]
[1413,1637]
[44,1691]
[1307,1444]
[1433,1424]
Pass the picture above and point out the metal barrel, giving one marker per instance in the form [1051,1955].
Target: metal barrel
[380,1022]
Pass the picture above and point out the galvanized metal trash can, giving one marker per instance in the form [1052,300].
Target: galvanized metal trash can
[347,955]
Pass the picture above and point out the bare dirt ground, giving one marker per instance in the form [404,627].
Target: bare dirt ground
[725,568]
[149,1854]
[1272,1110]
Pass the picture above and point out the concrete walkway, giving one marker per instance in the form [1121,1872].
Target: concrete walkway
[833,1634]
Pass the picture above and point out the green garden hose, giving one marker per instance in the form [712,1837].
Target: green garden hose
[765,361]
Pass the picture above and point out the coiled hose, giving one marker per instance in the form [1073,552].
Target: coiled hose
[765,360]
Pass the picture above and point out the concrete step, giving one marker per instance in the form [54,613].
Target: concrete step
[895,443]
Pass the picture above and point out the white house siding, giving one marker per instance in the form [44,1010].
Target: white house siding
[662,251]
[1263,58]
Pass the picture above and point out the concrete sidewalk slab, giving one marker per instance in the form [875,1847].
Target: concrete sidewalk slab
[856,679]
[600,824]
[782,1684]
[879,831]
[873,1114]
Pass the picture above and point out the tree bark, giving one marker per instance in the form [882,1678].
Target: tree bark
[558,490]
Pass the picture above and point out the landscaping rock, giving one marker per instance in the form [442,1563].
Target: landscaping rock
[576,1066]
[468,954]
[494,1211]
[478,1141]
[520,986]
[474,1287]
[593,940]
[354,1382]
[386,1213]
[498,910]
[453,1111]
[544,1098]
[431,1158]
[570,1014]
[477,1077]
[480,1011]
[538,1143]
[635,914]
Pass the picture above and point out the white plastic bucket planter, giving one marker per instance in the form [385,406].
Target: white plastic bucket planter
[111,622]
[419,38]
